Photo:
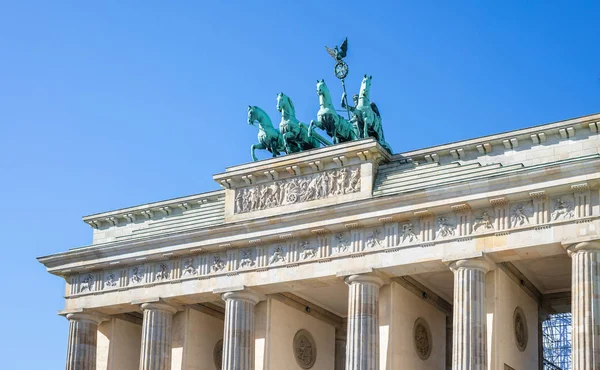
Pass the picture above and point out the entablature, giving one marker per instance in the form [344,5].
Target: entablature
[569,187]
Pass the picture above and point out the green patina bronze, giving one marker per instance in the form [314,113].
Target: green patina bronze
[295,133]
[293,136]
[329,120]
[368,119]
[269,137]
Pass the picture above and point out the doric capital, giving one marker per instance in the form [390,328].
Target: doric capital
[583,246]
[242,295]
[481,263]
[364,279]
[86,316]
[158,306]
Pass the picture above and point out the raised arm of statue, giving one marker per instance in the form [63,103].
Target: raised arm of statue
[344,105]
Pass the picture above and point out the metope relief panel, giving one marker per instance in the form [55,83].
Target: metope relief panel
[446,227]
[298,189]
[483,221]
[111,280]
[162,271]
[374,238]
[408,233]
[189,266]
[521,214]
[278,255]
[563,208]
[341,243]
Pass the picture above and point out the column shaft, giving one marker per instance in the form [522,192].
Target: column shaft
[238,335]
[156,348]
[83,337]
[362,346]
[586,305]
[469,338]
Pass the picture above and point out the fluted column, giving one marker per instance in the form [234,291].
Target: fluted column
[585,305]
[469,338]
[83,336]
[238,335]
[362,346]
[156,348]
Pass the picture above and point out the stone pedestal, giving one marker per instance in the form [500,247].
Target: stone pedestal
[585,305]
[83,337]
[469,338]
[238,335]
[155,353]
[362,346]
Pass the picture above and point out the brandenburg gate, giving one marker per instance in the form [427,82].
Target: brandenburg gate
[349,257]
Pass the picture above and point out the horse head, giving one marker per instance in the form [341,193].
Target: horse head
[251,114]
[365,87]
[256,114]
[322,88]
[285,105]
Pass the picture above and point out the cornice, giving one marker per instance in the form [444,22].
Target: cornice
[148,210]
[367,211]
[303,163]
[510,140]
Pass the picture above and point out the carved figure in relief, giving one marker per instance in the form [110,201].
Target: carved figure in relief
[562,210]
[341,243]
[408,234]
[218,264]
[87,284]
[483,223]
[136,275]
[354,182]
[445,228]
[278,256]
[307,251]
[246,259]
[373,240]
[297,189]
[188,267]
[519,216]
[111,281]
[163,272]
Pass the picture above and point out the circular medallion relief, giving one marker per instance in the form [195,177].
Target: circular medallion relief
[305,350]
[422,336]
[520,327]
[218,354]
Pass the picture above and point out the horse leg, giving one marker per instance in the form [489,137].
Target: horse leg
[254,147]
[311,127]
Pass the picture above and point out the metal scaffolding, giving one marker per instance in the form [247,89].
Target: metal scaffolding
[556,334]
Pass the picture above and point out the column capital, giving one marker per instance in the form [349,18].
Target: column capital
[242,295]
[158,306]
[481,263]
[85,317]
[364,279]
[583,246]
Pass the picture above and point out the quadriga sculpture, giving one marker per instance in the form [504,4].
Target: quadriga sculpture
[368,119]
[269,137]
[295,133]
[329,120]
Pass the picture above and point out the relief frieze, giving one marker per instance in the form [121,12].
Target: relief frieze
[324,247]
[298,189]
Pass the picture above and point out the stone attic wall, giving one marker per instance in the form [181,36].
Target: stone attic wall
[553,148]
[284,323]
[398,310]
[119,344]
[194,336]
[502,297]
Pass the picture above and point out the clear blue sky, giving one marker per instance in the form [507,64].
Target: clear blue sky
[110,104]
